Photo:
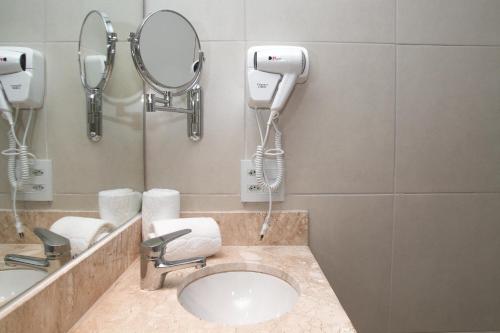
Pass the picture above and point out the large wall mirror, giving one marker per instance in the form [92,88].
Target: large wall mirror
[96,184]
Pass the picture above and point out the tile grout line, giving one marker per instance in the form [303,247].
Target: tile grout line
[144,151]
[357,194]
[245,124]
[313,194]
[294,41]
[395,128]
[45,110]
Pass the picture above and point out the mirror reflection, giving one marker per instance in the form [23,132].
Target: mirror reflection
[93,50]
[52,239]
[61,194]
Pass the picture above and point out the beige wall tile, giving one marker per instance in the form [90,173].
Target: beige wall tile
[448,124]
[65,17]
[22,21]
[338,127]
[457,22]
[212,164]
[81,166]
[67,202]
[213,20]
[351,237]
[322,20]
[198,202]
[446,272]
[5,200]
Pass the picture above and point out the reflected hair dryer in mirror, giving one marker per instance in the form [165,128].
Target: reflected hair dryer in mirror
[22,87]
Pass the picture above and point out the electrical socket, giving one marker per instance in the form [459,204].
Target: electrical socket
[39,188]
[250,190]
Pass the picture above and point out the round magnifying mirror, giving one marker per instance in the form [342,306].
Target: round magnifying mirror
[96,50]
[166,52]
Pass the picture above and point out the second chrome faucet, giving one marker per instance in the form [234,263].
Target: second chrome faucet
[154,267]
[57,251]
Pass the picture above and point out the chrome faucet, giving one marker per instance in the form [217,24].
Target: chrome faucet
[57,251]
[154,267]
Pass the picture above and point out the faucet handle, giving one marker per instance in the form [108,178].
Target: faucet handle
[155,247]
[54,244]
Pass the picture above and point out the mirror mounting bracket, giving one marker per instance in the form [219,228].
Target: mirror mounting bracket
[193,110]
[94,114]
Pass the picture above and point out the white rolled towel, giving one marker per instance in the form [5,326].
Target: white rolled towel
[204,239]
[119,205]
[82,232]
[158,204]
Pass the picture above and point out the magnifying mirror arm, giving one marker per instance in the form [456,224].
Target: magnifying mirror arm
[194,109]
[165,105]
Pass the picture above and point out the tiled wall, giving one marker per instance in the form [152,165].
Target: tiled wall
[81,168]
[393,145]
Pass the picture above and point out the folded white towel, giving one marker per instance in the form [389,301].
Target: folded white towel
[204,239]
[158,204]
[119,205]
[82,232]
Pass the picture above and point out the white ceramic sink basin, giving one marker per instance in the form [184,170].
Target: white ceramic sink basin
[15,281]
[238,297]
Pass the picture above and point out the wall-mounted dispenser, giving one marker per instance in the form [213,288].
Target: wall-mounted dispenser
[167,55]
[96,54]
[22,87]
[272,72]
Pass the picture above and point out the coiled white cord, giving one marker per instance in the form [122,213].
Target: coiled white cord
[18,156]
[277,153]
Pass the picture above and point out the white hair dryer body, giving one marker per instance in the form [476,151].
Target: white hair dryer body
[272,72]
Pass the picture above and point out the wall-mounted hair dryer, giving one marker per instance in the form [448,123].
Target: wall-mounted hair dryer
[272,72]
[22,82]
[22,74]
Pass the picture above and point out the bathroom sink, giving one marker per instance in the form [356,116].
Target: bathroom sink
[238,297]
[15,281]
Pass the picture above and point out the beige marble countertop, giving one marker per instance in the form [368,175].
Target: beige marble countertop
[126,308]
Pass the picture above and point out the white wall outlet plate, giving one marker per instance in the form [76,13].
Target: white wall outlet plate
[250,190]
[39,188]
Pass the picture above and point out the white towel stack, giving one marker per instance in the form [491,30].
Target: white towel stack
[119,205]
[158,204]
[82,232]
[204,239]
